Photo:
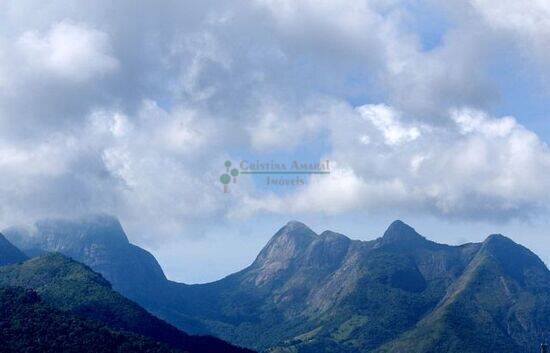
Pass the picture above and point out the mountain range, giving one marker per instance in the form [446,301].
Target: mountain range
[52,303]
[323,293]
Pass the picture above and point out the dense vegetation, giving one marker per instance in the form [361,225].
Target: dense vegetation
[501,303]
[74,288]
[28,325]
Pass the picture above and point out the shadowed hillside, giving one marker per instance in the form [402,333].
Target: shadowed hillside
[325,293]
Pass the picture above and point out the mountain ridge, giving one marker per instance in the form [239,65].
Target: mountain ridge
[327,293]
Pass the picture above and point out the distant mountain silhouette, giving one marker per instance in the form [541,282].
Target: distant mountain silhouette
[99,242]
[9,254]
[322,293]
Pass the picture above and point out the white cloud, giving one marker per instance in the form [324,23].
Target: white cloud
[164,105]
[275,127]
[50,158]
[157,162]
[483,167]
[385,120]
[522,27]
[470,121]
[69,50]
[530,18]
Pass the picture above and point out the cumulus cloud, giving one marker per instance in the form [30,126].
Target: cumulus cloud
[481,167]
[517,30]
[72,51]
[385,120]
[132,110]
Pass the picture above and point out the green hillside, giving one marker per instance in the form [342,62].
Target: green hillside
[73,288]
[28,324]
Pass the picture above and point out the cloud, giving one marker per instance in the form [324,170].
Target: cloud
[516,29]
[278,127]
[481,167]
[385,120]
[132,110]
[72,51]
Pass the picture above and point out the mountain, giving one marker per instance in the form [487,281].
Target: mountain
[324,293]
[328,293]
[9,254]
[74,289]
[500,303]
[99,242]
[30,325]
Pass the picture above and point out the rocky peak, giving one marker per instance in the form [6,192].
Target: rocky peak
[331,236]
[401,233]
[287,243]
[285,247]
[98,229]
[499,246]
[513,260]
[327,250]
[69,235]
[296,228]
[509,254]
[498,238]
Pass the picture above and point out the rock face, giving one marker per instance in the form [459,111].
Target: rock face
[322,293]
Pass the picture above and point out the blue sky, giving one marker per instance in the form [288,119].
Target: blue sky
[434,113]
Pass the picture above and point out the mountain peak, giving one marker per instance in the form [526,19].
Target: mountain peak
[498,238]
[495,242]
[284,247]
[294,225]
[330,235]
[513,257]
[294,233]
[400,232]
[89,229]
[57,234]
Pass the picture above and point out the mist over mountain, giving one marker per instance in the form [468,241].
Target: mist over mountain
[99,242]
[85,304]
[322,293]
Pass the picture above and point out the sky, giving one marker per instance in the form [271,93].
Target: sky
[434,113]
